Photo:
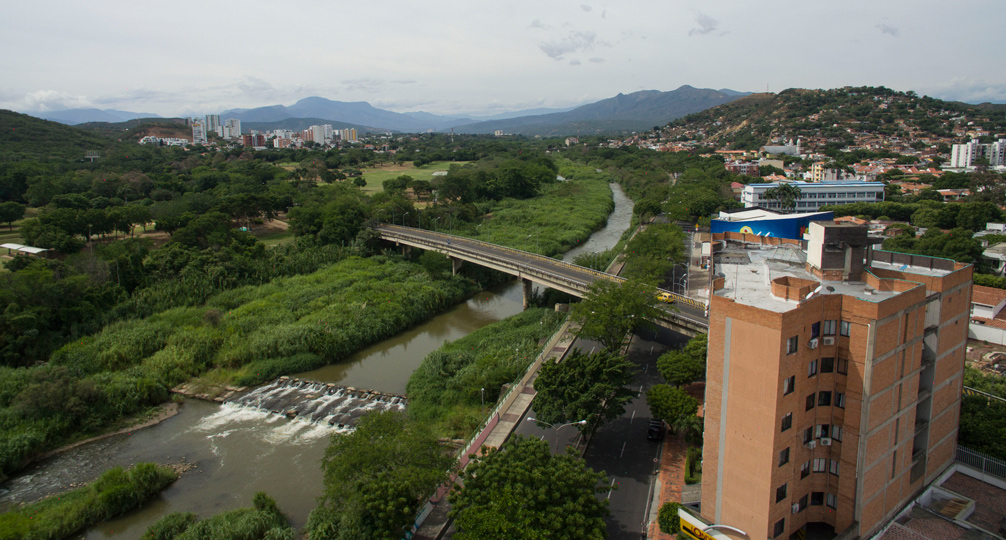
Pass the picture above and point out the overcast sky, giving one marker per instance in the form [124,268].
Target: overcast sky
[186,57]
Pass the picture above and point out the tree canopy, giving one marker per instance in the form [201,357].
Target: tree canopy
[591,387]
[653,252]
[680,367]
[524,491]
[610,311]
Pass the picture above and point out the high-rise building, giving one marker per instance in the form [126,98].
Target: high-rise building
[833,383]
[198,132]
[213,124]
[232,128]
[963,156]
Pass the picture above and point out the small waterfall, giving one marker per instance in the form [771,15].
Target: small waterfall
[338,406]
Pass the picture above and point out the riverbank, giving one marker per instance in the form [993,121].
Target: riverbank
[150,418]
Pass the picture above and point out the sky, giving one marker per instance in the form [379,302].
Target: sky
[185,57]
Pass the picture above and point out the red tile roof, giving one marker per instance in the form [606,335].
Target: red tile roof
[987,296]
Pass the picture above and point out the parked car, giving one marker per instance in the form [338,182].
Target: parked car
[655,431]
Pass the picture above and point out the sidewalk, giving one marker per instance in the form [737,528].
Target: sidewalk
[437,524]
[671,480]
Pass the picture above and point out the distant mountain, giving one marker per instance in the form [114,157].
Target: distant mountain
[359,112]
[300,124]
[24,135]
[625,112]
[73,117]
[525,112]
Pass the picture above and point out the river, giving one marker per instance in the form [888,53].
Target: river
[238,451]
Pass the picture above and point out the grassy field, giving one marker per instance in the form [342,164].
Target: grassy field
[376,177]
[276,238]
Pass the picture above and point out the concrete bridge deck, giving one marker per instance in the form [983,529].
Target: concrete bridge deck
[687,315]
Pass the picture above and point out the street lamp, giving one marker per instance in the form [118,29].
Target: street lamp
[403,218]
[483,402]
[557,428]
[435,220]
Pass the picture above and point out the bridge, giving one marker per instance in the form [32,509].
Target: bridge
[687,316]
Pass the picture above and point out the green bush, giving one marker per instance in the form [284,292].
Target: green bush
[667,518]
[170,526]
[693,465]
[263,521]
[115,492]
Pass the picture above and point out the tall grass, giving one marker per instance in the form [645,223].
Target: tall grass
[446,388]
[117,491]
[263,521]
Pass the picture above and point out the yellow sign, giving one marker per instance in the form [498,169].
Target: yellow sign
[695,532]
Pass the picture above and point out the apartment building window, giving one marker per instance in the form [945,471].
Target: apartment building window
[805,469]
[784,456]
[827,365]
[791,344]
[840,400]
[788,384]
[833,467]
[843,328]
[816,498]
[787,421]
[820,464]
[836,432]
[780,492]
[803,503]
[815,330]
[829,327]
[824,399]
[821,430]
[811,400]
[843,366]
[832,501]
[812,368]
[808,435]
[780,527]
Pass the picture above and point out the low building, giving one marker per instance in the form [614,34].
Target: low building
[762,222]
[814,195]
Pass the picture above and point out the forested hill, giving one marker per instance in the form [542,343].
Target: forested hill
[23,136]
[843,115]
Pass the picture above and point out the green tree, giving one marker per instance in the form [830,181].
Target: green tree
[376,478]
[686,365]
[671,404]
[611,311]
[591,387]
[667,518]
[523,491]
[786,194]
[10,212]
[653,252]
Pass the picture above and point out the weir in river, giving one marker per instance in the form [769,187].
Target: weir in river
[327,403]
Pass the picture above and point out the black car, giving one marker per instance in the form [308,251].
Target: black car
[655,431]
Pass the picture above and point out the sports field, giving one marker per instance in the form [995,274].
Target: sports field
[376,177]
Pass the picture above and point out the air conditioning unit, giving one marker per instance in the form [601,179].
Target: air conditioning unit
[829,341]
[812,445]
[825,441]
[796,508]
[813,343]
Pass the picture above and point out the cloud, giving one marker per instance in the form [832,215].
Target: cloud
[574,42]
[968,90]
[540,25]
[604,14]
[887,29]
[596,60]
[364,84]
[52,100]
[574,62]
[585,7]
[706,24]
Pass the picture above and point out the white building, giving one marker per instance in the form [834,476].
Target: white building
[198,132]
[963,156]
[318,134]
[213,124]
[232,128]
[814,195]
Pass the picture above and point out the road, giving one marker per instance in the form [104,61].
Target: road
[620,448]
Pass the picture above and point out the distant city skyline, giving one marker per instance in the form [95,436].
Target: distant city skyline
[190,58]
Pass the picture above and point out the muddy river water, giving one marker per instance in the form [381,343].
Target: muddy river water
[236,451]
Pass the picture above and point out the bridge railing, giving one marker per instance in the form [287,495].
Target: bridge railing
[396,230]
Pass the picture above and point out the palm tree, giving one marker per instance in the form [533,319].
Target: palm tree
[786,194]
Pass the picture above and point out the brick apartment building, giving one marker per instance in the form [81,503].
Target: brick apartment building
[833,384]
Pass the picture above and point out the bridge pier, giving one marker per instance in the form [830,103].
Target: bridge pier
[528,291]
[455,265]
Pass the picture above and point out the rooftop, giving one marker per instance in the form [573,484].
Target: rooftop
[987,296]
[748,271]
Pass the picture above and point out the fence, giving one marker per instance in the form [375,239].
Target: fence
[490,422]
[981,462]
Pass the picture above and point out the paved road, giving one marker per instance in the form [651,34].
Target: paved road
[621,448]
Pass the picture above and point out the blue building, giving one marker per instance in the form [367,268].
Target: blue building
[767,223]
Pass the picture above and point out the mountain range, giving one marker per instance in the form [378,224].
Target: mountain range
[624,112]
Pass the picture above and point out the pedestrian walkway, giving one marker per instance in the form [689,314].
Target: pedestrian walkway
[673,460]
[437,524]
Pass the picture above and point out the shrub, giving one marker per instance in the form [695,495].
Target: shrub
[667,517]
